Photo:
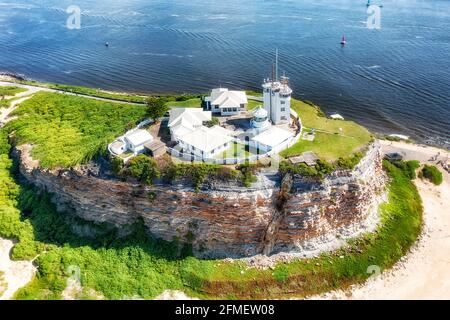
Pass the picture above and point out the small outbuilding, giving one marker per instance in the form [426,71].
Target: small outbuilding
[136,140]
[155,148]
[271,138]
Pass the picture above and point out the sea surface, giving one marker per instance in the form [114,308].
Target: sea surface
[392,80]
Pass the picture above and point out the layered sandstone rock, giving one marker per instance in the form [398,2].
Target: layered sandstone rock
[222,220]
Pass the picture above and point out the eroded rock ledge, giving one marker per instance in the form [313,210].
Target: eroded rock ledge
[224,221]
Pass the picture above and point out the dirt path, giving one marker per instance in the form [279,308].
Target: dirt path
[4,113]
[34,89]
[16,274]
[424,272]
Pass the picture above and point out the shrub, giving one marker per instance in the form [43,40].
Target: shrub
[408,167]
[214,122]
[142,168]
[350,162]
[157,107]
[321,169]
[248,172]
[432,174]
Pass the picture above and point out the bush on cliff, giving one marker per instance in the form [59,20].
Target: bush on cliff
[320,170]
[142,168]
[432,174]
[408,167]
[350,162]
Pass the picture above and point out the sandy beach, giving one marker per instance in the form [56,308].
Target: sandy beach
[16,274]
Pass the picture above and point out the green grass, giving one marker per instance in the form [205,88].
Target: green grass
[68,130]
[137,265]
[10,90]
[191,103]
[235,150]
[252,104]
[330,143]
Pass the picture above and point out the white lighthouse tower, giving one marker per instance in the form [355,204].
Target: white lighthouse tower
[277,97]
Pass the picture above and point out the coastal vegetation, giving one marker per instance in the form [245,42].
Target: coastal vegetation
[156,108]
[432,174]
[320,170]
[137,266]
[322,167]
[10,91]
[146,170]
[69,130]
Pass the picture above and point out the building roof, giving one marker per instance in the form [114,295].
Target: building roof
[155,145]
[308,157]
[273,136]
[260,112]
[181,129]
[205,139]
[138,137]
[188,116]
[225,98]
[221,130]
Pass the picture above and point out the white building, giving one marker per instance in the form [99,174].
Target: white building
[277,100]
[186,120]
[273,138]
[226,102]
[260,121]
[205,142]
[132,141]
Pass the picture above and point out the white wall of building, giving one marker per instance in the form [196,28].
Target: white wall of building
[277,104]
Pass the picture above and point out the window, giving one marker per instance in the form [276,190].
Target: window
[283,109]
[283,118]
[283,102]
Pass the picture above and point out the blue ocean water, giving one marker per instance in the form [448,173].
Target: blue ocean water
[392,80]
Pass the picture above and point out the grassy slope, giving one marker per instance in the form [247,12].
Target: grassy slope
[333,143]
[10,90]
[138,265]
[68,130]
[191,103]
[252,104]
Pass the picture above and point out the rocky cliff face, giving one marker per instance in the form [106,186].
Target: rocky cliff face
[223,221]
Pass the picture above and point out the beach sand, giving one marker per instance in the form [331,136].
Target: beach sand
[16,274]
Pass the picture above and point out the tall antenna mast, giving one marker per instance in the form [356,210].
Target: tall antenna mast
[276,64]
